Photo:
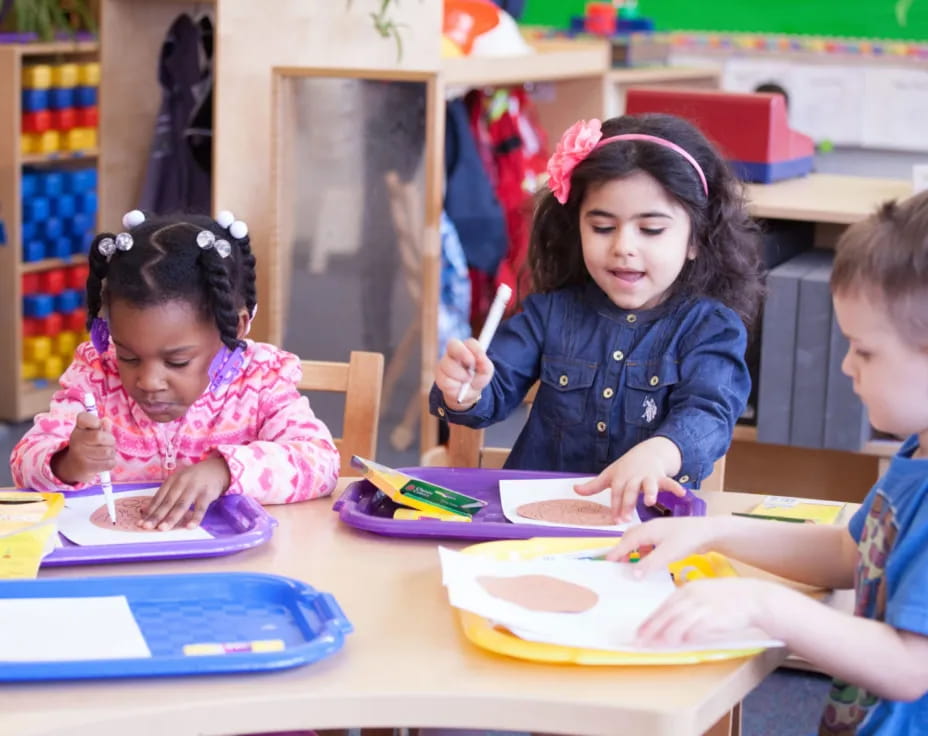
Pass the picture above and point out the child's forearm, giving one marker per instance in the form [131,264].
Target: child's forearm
[824,556]
[885,661]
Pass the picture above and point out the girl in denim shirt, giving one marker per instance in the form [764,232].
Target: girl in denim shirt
[645,268]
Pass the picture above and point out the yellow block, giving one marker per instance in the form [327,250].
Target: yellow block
[64,75]
[37,76]
[88,75]
[30,371]
[48,142]
[52,367]
[65,342]
[29,142]
[80,139]
[36,349]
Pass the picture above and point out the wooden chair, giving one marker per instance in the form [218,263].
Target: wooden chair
[361,380]
[465,450]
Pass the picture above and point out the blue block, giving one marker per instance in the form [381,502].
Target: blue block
[81,243]
[79,225]
[87,203]
[36,209]
[30,231]
[51,183]
[34,100]
[52,228]
[67,301]
[65,205]
[61,97]
[38,305]
[82,180]
[766,173]
[85,96]
[60,247]
[29,185]
[33,250]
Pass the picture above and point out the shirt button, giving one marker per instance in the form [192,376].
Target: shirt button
[601,426]
[618,355]
[684,479]
[441,411]
[631,318]
[562,380]
[654,380]
[608,393]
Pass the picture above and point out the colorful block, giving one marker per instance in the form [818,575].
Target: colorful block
[30,283]
[80,139]
[87,117]
[52,281]
[88,74]
[65,342]
[47,142]
[36,209]
[76,321]
[86,202]
[52,367]
[37,122]
[30,231]
[61,97]
[67,301]
[28,143]
[79,225]
[34,99]
[60,247]
[29,184]
[82,180]
[76,276]
[51,324]
[63,119]
[33,250]
[64,75]
[51,184]
[37,76]
[52,228]
[64,205]
[37,349]
[85,96]
[29,371]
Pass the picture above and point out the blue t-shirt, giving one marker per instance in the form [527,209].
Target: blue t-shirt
[891,582]
[610,378]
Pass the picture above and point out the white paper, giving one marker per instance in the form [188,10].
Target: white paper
[624,602]
[67,629]
[74,523]
[516,493]
[826,102]
[896,118]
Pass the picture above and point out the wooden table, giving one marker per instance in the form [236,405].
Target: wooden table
[407,663]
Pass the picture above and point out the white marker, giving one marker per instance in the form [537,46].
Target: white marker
[489,328]
[90,406]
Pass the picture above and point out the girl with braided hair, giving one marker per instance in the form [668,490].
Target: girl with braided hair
[184,400]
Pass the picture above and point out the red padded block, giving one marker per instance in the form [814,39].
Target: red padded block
[76,321]
[77,277]
[52,281]
[51,325]
[37,122]
[88,117]
[31,327]
[30,283]
[750,127]
[64,119]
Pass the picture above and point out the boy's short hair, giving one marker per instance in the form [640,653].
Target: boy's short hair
[885,258]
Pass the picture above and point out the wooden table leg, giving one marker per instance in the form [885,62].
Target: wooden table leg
[728,725]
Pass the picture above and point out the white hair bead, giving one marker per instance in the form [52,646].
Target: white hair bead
[133,218]
[238,229]
[224,219]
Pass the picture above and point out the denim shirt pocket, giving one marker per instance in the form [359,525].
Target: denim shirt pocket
[565,389]
[647,391]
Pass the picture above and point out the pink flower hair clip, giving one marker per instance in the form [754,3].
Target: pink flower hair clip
[575,145]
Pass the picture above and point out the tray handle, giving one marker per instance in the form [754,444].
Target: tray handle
[325,605]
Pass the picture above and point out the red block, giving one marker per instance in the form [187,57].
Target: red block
[51,325]
[77,277]
[31,327]
[76,321]
[87,117]
[30,283]
[750,127]
[64,119]
[37,122]
[52,281]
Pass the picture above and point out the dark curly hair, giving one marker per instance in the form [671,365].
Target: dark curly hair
[727,265]
[166,264]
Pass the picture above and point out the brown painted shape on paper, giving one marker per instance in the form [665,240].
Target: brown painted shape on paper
[540,593]
[128,513]
[568,511]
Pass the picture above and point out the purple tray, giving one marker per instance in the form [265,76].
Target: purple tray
[364,506]
[236,522]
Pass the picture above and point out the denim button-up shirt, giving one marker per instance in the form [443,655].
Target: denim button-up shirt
[611,378]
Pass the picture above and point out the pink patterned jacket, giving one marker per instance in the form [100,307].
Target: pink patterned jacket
[276,449]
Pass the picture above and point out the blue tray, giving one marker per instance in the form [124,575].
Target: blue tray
[175,610]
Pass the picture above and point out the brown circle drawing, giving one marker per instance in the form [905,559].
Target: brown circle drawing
[568,511]
[540,593]
[128,513]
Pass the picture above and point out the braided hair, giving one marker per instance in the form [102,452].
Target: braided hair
[165,264]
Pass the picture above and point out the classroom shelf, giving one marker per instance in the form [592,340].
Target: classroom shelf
[663,74]
[59,156]
[51,48]
[551,62]
[47,263]
[875,447]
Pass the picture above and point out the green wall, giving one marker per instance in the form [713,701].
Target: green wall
[853,18]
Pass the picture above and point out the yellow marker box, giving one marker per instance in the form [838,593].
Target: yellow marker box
[27,531]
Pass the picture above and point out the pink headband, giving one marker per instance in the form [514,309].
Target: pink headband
[582,138]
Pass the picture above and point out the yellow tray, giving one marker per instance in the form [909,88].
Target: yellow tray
[23,544]
[484,634]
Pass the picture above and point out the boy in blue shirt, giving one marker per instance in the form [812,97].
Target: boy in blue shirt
[878,656]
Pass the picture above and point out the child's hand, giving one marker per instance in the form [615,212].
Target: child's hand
[707,609]
[197,485]
[667,540]
[90,451]
[463,362]
[640,470]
